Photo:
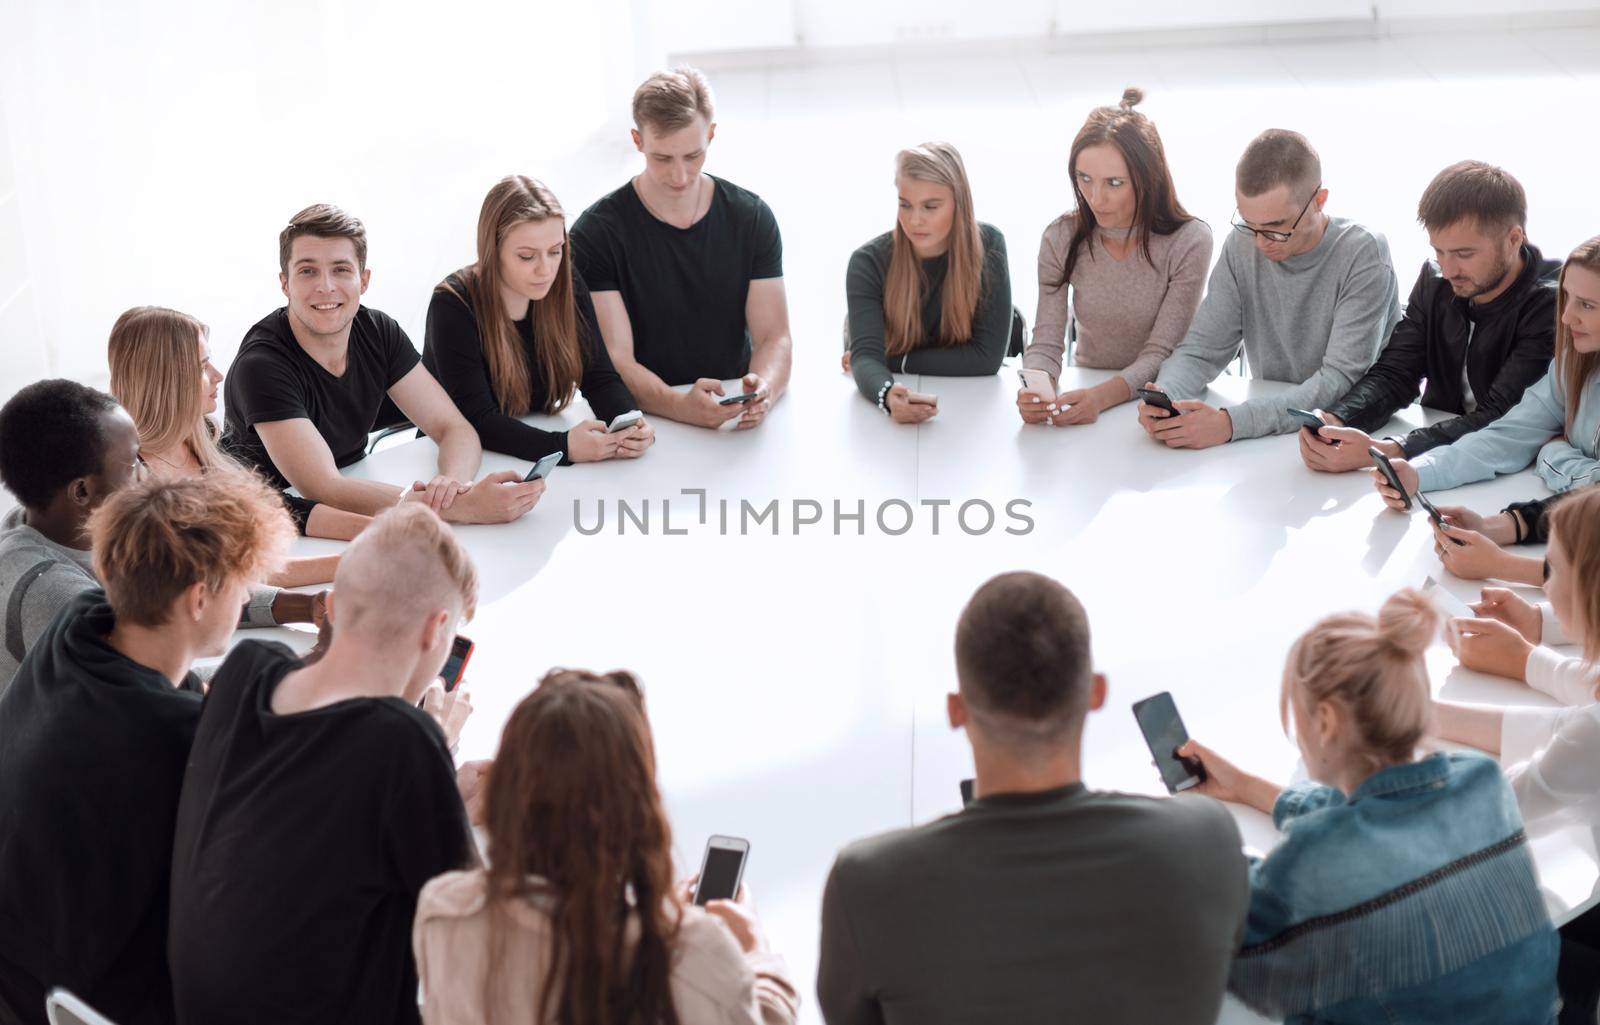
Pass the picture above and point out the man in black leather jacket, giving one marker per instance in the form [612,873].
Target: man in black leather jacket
[1478,328]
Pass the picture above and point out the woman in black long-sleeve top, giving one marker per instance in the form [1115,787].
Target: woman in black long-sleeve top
[515,333]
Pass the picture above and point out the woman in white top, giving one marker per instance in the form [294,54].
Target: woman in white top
[575,919]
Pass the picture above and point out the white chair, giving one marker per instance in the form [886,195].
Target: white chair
[62,1008]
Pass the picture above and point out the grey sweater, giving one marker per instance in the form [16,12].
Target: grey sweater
[1315,320]
[38,577]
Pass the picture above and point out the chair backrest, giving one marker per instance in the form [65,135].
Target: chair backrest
[62,1008]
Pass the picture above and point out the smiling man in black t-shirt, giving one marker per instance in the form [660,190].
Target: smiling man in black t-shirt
[311,380]
[686,270]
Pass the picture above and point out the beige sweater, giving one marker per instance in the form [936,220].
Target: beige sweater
[1130,314]
[713,981]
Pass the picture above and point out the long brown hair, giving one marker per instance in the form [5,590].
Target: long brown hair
[1575,526]
[937,162]
[1575,367]
[572,799]
[155,373]
[513,200]
[1156,209]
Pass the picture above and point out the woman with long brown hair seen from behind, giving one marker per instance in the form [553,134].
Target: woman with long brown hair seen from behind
[1556,425]
[515,333]
[162,374]
[1127,265]
[933,296]
[576,919]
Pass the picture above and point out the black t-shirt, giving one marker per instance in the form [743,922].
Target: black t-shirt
[685,288]
[92,749]
[274,379]
[452,351]
[302,842]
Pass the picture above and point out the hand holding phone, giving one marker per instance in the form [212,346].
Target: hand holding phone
[1307,419]
[730,400]
[722,869]
[1037,382]
[543,467]
[456,665]
[1159,399]
[1386,468]
[624,421]
[1437,518]
[1163,731]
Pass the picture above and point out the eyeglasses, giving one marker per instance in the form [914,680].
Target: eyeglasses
[141,469]
[1274,236]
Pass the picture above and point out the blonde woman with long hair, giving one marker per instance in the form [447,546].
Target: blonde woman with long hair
[932,296]
[162,374]
[515,333]
[1403,888]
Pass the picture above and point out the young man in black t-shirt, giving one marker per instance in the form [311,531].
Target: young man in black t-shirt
[311,379]
[319,799]
[686,270]
[94,732]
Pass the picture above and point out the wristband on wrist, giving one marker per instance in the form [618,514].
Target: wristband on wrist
[883,396]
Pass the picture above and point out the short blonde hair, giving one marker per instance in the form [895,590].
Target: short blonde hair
[403,566]
[1373,667]
[669,100]
[156,539]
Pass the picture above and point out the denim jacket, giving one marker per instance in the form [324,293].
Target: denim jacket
[1411,901]
[1532,431]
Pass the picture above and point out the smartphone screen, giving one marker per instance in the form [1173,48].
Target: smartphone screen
[722,869]
[456,664]
[1163,731]
[543,467]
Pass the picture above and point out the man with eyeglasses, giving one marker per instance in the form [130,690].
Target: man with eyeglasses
[1311,297]
[64,449]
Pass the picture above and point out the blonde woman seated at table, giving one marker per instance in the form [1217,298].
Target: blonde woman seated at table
[161,372]
[1135,262]
[576,918]
[1403,888]
[1556,425]
[933,296]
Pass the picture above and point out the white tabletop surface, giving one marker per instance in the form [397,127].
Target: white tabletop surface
[796,682]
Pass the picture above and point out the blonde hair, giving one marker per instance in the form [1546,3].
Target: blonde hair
[940,163]
[155,539]
[403,566]
[669,100]
[516,199]
[155,362]
[1574,367]
[1373,668]
[1575,523]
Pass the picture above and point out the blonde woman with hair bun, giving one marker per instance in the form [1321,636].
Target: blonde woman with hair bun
[931,296]
[1403,888]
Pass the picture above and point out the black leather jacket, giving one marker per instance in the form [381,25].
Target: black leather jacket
[1511,341]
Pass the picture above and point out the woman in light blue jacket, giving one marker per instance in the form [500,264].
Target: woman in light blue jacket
[1556,426]
[1403,889]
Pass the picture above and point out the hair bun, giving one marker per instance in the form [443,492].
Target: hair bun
[1407,622]
[1131,97]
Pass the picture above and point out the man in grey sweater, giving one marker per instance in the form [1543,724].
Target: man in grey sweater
[1042,901]
[64,448]
[1312,298]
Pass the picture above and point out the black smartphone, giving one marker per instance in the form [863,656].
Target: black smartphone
[543,467]
[722,869]
[1159,399]
[734,399]
[966,792]
[1436,517]
[1163,730]
[1386,468]
[456,664]
[1307,419]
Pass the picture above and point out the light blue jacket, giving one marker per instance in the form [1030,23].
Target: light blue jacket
[1411,901]
[1532,431]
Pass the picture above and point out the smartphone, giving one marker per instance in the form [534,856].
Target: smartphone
[1163,730]
[1159,399]
[1037,382]
[1385,467]
[722,869]
[543,467]
[1436,517]
[966,792]
[736,399]
[1307,419]
[456,665]
[624,421]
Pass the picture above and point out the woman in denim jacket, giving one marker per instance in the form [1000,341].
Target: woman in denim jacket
[1403,889]
[1556,426]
